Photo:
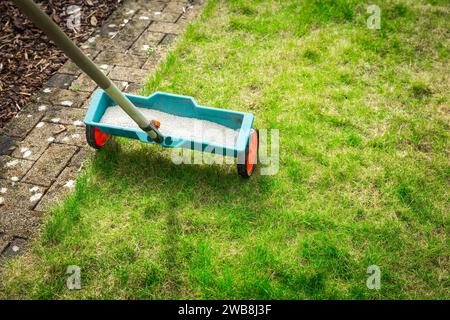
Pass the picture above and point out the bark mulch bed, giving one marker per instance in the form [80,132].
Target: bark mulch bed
[28,58]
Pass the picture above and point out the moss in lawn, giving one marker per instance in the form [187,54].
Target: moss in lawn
[363,180]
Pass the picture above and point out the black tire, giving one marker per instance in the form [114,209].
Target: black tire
[91,133]
[242,168]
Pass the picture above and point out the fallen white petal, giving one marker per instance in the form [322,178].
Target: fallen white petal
[42,108]
[40,125]
[15,179]
[3,190]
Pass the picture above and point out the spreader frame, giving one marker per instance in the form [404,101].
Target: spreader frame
[183,106]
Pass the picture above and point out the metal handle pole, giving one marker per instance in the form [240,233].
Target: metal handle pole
[43,21]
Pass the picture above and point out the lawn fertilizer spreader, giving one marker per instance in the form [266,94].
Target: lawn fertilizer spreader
[170,120]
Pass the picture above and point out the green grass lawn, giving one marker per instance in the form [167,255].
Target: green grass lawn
[363,117]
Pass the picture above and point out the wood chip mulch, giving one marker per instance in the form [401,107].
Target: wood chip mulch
[28,58]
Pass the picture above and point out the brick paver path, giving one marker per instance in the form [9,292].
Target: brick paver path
[43,147]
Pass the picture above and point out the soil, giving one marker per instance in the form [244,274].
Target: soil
[28,58]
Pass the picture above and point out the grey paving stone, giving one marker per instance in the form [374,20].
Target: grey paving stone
[122,85]
[64,184]
[50,164]
[133,28]
[148,40]
[14,248]
[96,45]
[168,40]
[21,124]
[157,56]
[7,145]
[90,51]
[163,16]
[70,68]
[128,74]
[87,102]
[108,30]
[59,80]
[73,135]
[176,6]
[192,12]
[135,88]
[65,115]
[34,145]
[166,27]
[64,97]
[143,5]
[36,109]
[83,155]
[119,59]
[14,169]
[83,84]
[19,195]
[120,43]
[118,15]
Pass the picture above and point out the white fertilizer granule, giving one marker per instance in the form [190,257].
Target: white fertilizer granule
[176,126]
[70,184]
[35,197]
[12,163]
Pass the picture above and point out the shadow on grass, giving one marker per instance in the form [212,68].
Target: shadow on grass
[165,191]
[149,168]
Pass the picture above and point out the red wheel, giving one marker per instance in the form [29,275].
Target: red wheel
[251,155]
[96,138]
